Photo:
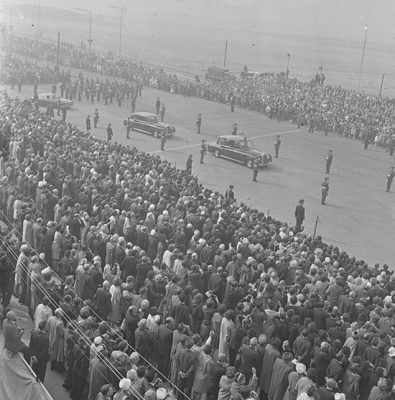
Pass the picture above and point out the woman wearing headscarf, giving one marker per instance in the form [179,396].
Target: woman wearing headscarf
[225,383]
[293,379]
[240,385]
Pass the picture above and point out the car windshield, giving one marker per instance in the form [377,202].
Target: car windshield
[153,119]
[247,144]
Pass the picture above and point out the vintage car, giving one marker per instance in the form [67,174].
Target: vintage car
[49,99]
[149,123]
[240,149]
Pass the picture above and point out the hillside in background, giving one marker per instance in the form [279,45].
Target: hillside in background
[191,34]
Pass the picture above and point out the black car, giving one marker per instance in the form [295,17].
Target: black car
[149,123]
[240,149]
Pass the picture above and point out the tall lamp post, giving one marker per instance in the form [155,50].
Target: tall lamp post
[121,9]
[362,57]
[90,40]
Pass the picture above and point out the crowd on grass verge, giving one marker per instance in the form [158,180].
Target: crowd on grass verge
[144,284]
[322,107]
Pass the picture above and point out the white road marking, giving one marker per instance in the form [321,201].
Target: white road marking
[249,137]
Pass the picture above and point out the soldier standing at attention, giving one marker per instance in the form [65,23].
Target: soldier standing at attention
[95,118]
[324,190]
[277,145]
[157,105]
[328,161]
[203,149]
[234,129]
[299,214]
[162,112]
[189,164]
[199,122]
[390,178]
[230,195]
[88,124]
[255,169]
[110,133]
[162,141]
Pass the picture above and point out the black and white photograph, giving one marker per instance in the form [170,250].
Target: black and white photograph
[196,200]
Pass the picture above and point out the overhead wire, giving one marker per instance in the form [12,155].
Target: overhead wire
[108,325]
[79,331]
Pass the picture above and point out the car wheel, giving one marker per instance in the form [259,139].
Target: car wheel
[217,154]
[250,164]
[156,134]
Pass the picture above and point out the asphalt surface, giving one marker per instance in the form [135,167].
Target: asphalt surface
[359,214]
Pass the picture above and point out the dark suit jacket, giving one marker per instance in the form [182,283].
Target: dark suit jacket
[88,286]
[39,345]
[12,337]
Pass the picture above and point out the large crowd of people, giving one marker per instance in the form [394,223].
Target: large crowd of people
[144,284]
[326,108]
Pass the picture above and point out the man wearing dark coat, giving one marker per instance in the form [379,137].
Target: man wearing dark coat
[299,214]
[165,340]
[270,356]
[249,358]
[39,349]
[103,301]
[215,371]
[88,285]
[279,380]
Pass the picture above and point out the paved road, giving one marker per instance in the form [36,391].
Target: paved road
[359,215]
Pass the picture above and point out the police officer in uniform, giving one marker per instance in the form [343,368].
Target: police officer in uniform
[324,190]
[255,169]
[299,214]
[162,141]
[110,133]
[199,122]
[88,124]
[328,161]
[390,178]
[203,149]
[189,164]
[95,118]
[277,146]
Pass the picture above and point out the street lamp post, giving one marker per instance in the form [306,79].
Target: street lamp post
[90,40]
[121,9]
[362,57]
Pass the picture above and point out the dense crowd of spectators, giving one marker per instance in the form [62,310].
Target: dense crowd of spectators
[324,107]
[142,282]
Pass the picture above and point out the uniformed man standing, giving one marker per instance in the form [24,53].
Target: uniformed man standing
[95,118]
[133,103]
[199,122]
[230,195]
[234,129]
[390,178]
[328,161]
[324,190]
[232,103]
[162,112]
[157,105]
[203,149]
[88,124]
[189,164]
[162,141]
[128,127]
[277,146]
[255,169]
[110,133]
[299,214]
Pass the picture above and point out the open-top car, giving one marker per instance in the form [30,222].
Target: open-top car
[49,99]
[240,149]
[149,123]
